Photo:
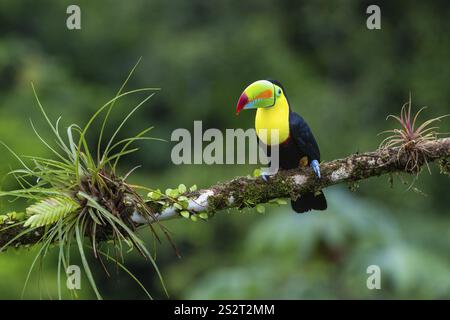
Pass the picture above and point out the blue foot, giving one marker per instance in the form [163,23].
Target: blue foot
[315,166]
[265,177]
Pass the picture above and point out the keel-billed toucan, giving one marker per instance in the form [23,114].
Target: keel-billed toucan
[296,143]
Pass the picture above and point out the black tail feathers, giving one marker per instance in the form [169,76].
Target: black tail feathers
[309,201]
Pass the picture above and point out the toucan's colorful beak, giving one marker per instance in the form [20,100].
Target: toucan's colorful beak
[260,94]
[243,100]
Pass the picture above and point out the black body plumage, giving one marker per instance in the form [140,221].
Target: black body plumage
[300,144]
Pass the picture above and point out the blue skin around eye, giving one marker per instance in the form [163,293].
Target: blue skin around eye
[315,166]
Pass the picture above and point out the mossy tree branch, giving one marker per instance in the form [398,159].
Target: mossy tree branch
[244,192]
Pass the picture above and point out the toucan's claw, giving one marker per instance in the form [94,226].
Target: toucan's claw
[265,177]
[315,166]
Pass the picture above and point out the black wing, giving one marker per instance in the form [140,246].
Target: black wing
[303,137]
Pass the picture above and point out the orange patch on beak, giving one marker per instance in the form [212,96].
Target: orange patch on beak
[264,95]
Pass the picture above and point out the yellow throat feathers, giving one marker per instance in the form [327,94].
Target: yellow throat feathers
[270,120]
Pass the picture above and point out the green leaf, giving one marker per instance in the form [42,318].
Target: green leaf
[20,216]
[87,269]
[173,193]
[249,203]
[11,215]
[277,201]
[260,208]
[194,218]
[185,214]
[155,195]
[184,204]
[48,211]
[178,206]
[256,173]
[3,218]
[193,188]
[203,215]
[181,188]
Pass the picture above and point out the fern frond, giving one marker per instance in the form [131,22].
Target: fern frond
[49,211]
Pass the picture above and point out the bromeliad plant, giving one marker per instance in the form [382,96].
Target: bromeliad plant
[77,195]
[411,138]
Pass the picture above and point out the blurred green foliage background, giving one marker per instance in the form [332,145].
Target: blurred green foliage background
[343,78]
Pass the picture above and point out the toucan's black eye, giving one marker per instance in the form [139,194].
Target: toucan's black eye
[279,91]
